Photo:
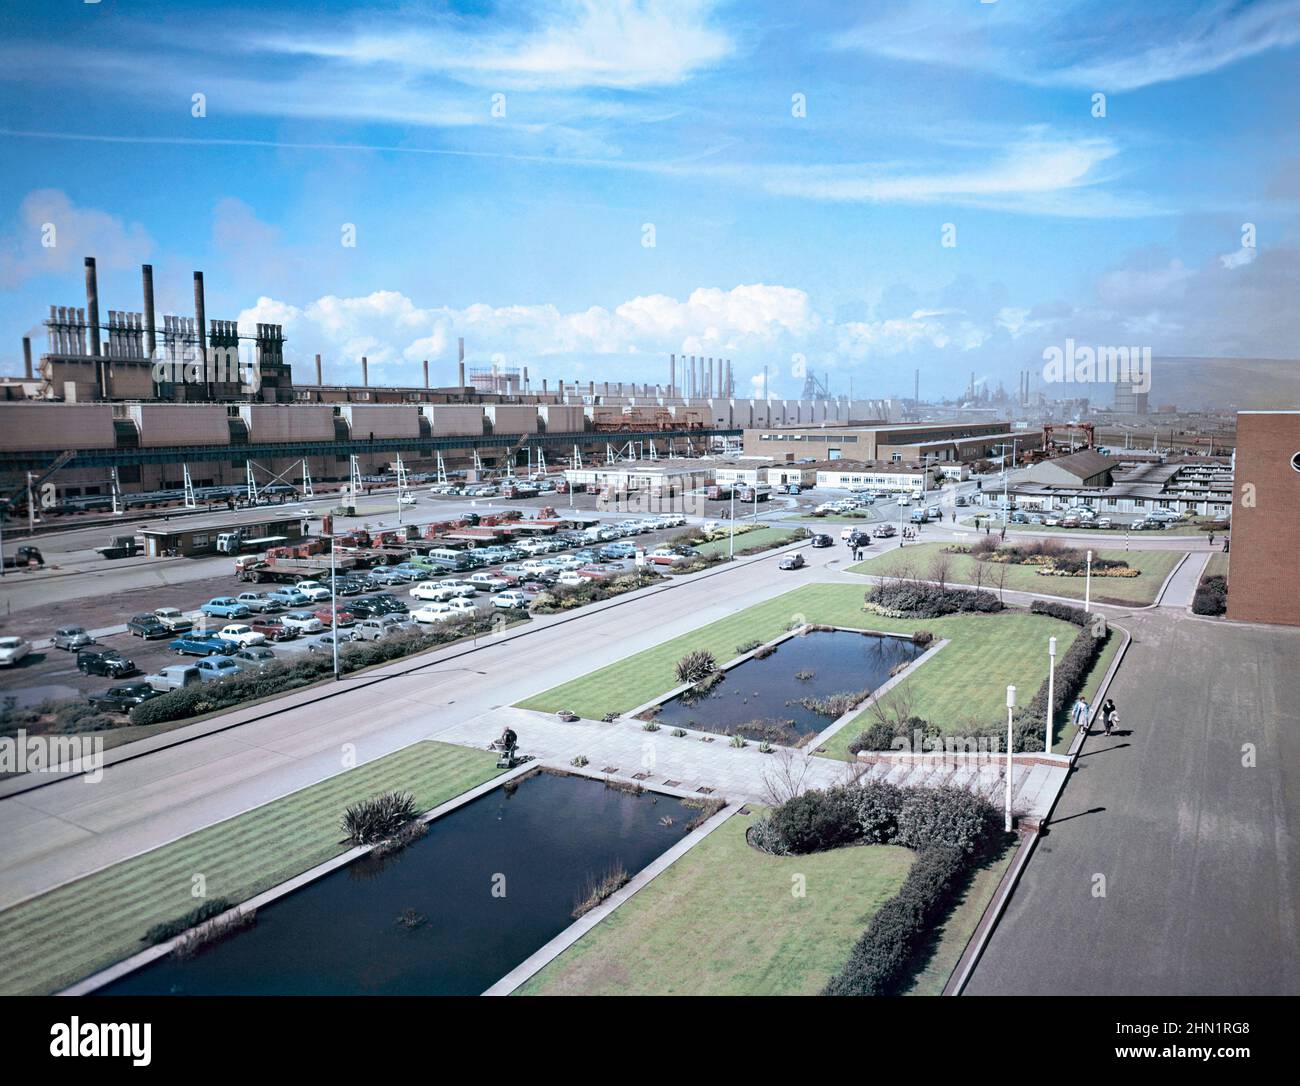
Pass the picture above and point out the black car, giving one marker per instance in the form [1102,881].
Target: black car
[147,626]
[822,541]
[108,662]
[124,698]
[364,608]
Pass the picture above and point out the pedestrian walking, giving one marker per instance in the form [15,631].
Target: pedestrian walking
[954,516]
[1109,715]
[1003,533]
[1079,714]
[1225,544]
[1211,539]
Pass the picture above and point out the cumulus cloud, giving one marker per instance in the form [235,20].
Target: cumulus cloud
[53,235]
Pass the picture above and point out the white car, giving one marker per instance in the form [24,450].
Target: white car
[573,579]
[302,622]
[488,583]
[567,562]
[13,649]
[462,607]
[436,591]
[406,499]
[432,612]
[460,590]
[510,599]
[241,635]
[313,590]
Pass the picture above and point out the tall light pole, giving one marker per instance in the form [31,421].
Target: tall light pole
[1011,708]
[731,529]
[334,606]
[1051,693]
[1087,585]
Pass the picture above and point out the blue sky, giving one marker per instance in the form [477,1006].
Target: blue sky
[777,231]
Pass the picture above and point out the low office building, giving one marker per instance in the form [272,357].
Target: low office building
[939,441]
[1264,577]
[895,477]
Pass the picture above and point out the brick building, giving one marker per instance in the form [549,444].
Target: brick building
[1264,578]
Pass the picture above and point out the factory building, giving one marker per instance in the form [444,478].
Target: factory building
[941,441]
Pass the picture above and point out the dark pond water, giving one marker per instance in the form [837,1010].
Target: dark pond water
[761,697]
[342,935]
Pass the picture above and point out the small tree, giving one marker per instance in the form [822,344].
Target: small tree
[695,666]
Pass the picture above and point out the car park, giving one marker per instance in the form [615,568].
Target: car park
[218,667]
[255,656]
[174,619]
[303,622]
[791,561]
[241,634]
[122,698]
[224,607]
[108,662]
[146,626]
[71,638]
[13,649]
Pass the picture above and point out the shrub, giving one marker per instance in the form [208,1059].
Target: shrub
[1063,611]
[951,817]
[763,836]
[876,805]
[678,732]
[169,929]
[895,735]
[918,599]
[1211,596]
[816,820]
[922,638]
[696,666]
[747,646]
[378,817]
[879,959]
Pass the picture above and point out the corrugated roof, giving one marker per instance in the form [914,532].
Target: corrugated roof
[1084,464]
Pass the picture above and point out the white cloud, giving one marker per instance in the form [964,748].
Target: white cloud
[76,232]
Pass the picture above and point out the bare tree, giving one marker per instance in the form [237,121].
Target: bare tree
[1002,579]
[941,569]
[784,776]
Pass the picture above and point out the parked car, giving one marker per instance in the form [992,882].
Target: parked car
[512,598]
[260,602]
[218,667]
[372,629]
[256,656]
[173,677]
[241,635]
[1103,522]
[272,629]
[791,561]
[328,618]
[288,597]
[462,607]
[433,612]
[108,662]
[13,649]
[123,698]
[313,590]
[325,643]
[201,644]
[146,626]
[487,582]
[174,619]
[302,622]
[386,604]
[224,607]
[885,531]
[72,638]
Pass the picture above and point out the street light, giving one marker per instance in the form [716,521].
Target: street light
[731,528]
[334,607]
[1011,708]
[1087,585]
[1051,693]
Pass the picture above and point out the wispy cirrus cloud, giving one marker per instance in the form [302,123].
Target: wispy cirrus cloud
[1080,44]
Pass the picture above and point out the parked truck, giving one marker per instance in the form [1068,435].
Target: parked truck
[274,567]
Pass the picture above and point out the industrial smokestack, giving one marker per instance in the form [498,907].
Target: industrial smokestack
[525,378]
[672,373]
[150,339]
[200,325]
[709,384]
[460,350]
[365,371]
[319,381]
[731,386]
[27,357]
[92,305]
[426,373]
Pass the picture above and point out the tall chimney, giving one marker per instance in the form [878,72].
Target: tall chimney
[672,373]
[426,373]
[201,326]
[92,305]
[150,339]
[319,380]
[27,357]
[525,380]
[543,386]
[460,350]
[709,385]
[365,371]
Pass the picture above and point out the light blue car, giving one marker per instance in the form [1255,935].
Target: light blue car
[225,607]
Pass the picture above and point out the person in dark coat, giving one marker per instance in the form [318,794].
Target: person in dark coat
[1109,715]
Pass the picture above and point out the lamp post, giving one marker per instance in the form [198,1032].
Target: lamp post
[1087,585]
[731,528]
[1051,693]
[1011,707]
[334,607]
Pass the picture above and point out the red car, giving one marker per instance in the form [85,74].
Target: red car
[346,618]
[272,629]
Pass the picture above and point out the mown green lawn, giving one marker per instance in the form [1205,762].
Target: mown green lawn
[918,559]
[53,940]
[964,684]
[723,920]
[765,538]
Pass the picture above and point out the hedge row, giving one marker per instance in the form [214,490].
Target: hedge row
[950,828]
[281,677]
[1063,611]
[918,599]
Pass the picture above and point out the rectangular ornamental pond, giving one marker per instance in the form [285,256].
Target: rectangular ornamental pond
[791,693]
[451,913]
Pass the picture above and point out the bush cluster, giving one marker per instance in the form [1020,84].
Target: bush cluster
[1211,596]
[378,817]
[917,599]
[567,597]
[1063,611]
[696,666]
[281,677]
[56,717]
[169,929]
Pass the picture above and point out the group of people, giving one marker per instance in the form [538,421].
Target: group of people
[1080,714]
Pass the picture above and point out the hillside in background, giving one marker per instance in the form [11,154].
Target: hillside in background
[1242,383]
